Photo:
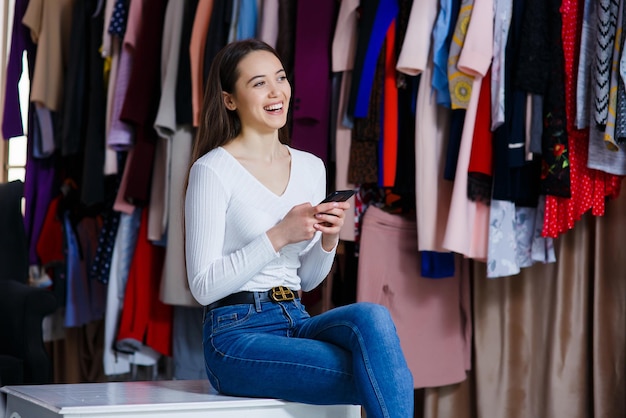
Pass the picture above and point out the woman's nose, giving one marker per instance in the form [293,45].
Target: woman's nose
[273,91]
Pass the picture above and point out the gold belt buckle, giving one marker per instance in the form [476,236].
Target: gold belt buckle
[281,294]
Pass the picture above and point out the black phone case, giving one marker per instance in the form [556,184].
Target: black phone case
[338,196]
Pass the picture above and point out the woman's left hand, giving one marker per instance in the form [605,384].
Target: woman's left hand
[331,216]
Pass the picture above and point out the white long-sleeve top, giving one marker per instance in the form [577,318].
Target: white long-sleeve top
[227,214]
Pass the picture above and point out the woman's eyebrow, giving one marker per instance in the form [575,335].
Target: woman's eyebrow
[282,70]
[254,78]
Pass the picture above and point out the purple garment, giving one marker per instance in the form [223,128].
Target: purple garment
[121,134]
[20,42]
[39,188]
[312,88]
[44,147]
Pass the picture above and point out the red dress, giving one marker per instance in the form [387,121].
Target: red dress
[145,319]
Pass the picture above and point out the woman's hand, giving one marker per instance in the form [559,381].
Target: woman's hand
[297,225]
[331,216]
[302,221]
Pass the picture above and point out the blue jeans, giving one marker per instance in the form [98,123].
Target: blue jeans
[348,355]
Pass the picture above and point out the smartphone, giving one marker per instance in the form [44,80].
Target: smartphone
[338,196]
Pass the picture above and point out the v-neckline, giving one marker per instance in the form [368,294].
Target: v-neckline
[255,178]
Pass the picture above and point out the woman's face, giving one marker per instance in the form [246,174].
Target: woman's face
[262,92]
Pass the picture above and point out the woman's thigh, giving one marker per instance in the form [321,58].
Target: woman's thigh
[250,353]
[364,327]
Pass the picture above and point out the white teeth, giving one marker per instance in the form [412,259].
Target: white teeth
[274,107]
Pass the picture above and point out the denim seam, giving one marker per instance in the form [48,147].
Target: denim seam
[224,355]
[209,371]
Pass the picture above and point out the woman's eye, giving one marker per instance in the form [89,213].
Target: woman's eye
[282,78]
[259,84]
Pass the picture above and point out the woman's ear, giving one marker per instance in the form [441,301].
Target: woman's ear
[228,101]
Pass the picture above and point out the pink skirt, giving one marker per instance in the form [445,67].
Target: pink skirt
[432,316]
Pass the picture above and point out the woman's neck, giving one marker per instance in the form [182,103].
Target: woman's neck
[256,147]
[265,158]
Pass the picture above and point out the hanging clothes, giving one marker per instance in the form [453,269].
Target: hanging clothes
[312,77]
[145,320]
[431,315]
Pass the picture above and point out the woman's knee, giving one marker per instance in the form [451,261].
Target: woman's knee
[371,314]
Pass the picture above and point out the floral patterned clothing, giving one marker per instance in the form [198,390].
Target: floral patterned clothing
[555,171]
[460,83]
[515,240]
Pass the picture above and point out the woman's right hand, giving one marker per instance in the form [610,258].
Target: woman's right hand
[297,225]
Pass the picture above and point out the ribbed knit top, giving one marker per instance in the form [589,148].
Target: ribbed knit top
[227,214]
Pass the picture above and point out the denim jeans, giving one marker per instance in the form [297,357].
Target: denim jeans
[348,355]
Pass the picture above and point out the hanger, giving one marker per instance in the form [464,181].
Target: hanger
[98,8]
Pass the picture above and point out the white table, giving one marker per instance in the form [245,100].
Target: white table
[170,398]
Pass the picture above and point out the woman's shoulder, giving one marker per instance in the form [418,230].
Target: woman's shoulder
[215,157]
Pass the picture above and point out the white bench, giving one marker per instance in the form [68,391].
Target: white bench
[166,398]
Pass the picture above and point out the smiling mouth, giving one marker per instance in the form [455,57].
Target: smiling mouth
[274,107]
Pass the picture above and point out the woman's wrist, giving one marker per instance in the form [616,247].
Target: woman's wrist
[275,237]
[329,242]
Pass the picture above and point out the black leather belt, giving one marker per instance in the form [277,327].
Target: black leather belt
[275,294]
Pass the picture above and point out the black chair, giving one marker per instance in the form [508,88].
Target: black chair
[13,241]
[23,357]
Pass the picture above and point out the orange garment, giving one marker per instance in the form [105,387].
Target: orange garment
[196,55]
[390,111]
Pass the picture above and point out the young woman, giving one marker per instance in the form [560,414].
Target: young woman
[256,234]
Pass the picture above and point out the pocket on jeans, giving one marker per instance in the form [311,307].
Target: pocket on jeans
[229,317]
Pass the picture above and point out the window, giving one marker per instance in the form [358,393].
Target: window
[16,149]
[13,151]
[16,158]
